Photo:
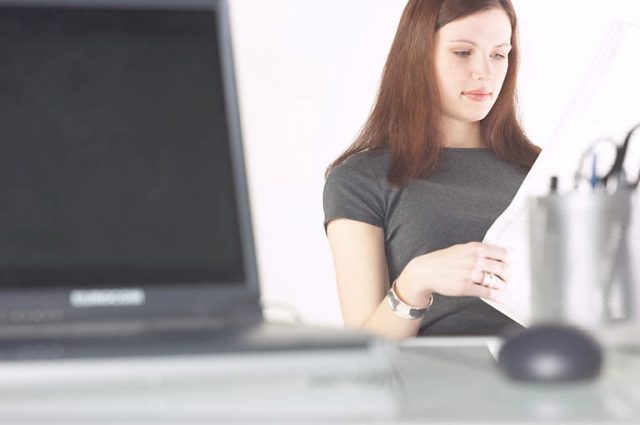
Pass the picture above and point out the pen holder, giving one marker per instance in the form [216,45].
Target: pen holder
[580,263]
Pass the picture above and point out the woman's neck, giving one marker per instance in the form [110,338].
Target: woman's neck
[459,134]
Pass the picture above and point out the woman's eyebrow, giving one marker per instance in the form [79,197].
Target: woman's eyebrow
[475,44]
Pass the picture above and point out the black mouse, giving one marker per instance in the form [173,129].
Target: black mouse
[551,353]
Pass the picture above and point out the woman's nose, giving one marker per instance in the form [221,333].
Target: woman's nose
[481,69]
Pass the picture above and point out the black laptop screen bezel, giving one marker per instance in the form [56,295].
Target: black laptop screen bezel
[188,300]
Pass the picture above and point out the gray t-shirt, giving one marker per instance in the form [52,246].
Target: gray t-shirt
[456,204]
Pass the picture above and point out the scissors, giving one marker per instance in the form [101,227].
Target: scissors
[606,151]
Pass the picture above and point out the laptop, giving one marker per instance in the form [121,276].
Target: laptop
[124,215]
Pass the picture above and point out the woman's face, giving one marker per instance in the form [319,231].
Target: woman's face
[472,57]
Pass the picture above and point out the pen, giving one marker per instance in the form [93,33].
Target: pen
[594,176]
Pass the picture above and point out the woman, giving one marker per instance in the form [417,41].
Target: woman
[440,157]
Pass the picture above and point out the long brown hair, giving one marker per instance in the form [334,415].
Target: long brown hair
[405,117]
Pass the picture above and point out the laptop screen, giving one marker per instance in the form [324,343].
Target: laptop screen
[120,164]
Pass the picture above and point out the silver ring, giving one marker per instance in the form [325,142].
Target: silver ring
[489,280]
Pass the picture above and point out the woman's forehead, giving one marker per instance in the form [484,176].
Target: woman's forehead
[491,27]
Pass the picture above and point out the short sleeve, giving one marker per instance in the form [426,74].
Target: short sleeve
[352,191]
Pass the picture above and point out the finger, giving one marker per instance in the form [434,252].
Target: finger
[495,267]
[479,274]
[494,252]
[475,290]
[498,284]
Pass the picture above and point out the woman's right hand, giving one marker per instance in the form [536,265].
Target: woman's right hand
[455,271]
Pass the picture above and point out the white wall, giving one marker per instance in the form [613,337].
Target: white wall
[308,72]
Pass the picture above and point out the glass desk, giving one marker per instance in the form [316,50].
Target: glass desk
[430,381]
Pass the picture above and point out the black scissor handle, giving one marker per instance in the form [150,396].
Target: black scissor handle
[621,154]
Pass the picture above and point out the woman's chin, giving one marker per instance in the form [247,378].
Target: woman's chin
[475,116]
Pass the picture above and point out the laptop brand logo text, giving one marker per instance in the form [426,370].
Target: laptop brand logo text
[84,298]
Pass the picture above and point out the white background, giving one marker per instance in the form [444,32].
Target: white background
[308,72]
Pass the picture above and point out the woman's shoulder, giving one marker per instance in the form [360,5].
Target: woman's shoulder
[365,164]
[355,189]
[362,175]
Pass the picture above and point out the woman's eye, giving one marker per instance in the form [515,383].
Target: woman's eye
[499,56]
[462,53]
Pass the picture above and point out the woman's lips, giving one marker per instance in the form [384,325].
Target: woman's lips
[477,96]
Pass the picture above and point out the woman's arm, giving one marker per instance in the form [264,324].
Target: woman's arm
[362,278]
[361,272]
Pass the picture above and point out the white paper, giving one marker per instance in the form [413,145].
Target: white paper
[607,105]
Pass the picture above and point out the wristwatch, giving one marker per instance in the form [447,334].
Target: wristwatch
[403,309]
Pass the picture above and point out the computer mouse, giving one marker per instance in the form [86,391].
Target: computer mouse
[551,353]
